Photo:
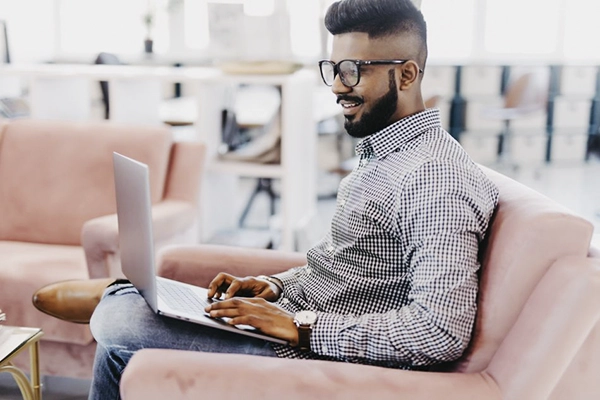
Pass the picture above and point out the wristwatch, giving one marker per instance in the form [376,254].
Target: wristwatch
[304,321]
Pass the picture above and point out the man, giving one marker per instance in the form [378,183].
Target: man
[394,282]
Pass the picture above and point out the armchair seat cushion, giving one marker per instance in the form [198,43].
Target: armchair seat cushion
[24,268]
[184,375]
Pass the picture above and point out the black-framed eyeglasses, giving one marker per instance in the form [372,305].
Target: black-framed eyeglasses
[349,70]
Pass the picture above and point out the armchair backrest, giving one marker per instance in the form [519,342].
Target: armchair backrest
[54,176]
[528,234]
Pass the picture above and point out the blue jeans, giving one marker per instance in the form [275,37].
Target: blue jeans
[124,323]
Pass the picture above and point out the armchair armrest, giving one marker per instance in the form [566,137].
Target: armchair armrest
[100,239]
[162,374]
[550,330]
[100,236]
[199,264]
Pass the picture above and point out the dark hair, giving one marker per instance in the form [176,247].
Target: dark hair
[377,18]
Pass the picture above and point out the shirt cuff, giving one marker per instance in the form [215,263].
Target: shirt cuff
[325,335]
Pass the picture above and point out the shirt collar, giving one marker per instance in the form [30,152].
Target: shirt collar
[388,139]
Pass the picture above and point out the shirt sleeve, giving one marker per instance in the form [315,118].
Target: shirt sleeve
[443,212]
[290,280]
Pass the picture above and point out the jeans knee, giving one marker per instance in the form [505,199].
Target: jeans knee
[113,322]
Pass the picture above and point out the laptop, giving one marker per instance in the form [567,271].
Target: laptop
[164,296]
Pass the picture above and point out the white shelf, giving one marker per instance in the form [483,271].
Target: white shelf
[63,91]
[108,72]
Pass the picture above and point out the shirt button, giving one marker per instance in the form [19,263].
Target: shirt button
[361,353]
[343,203]
[285,300]
[364,162]
[325,349]
[330,249]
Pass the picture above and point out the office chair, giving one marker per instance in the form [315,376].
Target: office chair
[109,59]
[176,111]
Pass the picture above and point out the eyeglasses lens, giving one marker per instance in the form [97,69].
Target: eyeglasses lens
[327,72]
[348,72]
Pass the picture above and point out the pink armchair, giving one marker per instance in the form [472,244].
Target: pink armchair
[58,222]
[536,334]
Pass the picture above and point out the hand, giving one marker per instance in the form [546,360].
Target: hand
[258,313]
[242,287]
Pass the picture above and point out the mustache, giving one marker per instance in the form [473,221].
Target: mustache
[346,97]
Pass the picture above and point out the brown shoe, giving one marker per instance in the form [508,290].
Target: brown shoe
[72,301]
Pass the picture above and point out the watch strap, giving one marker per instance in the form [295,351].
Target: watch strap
[304,332]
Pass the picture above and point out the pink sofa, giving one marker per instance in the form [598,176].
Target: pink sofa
[58,222]
[536,335]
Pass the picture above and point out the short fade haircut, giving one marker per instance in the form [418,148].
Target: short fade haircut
[378,18]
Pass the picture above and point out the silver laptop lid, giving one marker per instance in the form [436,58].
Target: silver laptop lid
[134,212]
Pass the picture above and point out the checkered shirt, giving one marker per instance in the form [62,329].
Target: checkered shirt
[394,282]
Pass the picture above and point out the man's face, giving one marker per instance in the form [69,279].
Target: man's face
[372,104]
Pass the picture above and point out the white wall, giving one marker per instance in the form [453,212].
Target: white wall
[31,29]
[460,31]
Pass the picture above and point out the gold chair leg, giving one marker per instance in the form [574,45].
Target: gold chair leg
[34,359]
[21,379]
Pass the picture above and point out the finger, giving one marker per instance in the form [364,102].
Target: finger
[214,285]
[233,288]
[222,279]
[224,304]
[227,312]
[245,320]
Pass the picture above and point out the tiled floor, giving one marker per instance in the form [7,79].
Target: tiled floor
[573,185]
[53,389]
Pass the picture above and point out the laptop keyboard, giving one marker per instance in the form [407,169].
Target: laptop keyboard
[181,298]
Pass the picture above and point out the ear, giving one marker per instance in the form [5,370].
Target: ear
[410,74]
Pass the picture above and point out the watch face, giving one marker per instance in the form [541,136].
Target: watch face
[306,317]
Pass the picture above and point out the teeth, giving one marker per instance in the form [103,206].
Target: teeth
[349,105]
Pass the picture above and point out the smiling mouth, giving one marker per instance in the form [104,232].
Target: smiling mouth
[350,106]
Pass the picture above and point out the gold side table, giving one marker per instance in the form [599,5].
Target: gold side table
[14,340]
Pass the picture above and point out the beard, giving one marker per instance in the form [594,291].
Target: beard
[378,117]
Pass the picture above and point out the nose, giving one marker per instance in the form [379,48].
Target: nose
[338,87]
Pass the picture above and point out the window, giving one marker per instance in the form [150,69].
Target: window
[116,26]
[581,30]
[450,28]
[196,24]
[305,28]
[31,35]
[521,27]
